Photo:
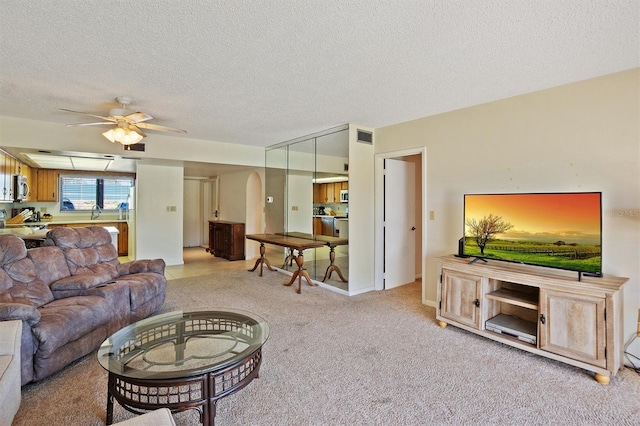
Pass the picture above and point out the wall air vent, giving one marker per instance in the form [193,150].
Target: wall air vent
[134,147]
[365,137]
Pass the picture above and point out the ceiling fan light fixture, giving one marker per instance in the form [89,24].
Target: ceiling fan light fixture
[123,136]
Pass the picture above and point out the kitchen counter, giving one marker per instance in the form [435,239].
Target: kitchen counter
[330,215]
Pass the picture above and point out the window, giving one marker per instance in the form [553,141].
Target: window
[82,192]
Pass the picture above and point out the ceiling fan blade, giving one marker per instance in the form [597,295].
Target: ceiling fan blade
[138,117]
[103,123]
[159,128]
[137,130]
[90,115]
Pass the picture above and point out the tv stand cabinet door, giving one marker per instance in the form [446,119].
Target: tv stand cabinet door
[574,326]
[461,298]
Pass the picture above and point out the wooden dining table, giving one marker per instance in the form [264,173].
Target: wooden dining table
[329,241]
[292,243]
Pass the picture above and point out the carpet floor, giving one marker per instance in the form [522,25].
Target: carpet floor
[374,359]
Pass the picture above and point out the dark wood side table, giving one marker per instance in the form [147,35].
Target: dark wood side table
[226,239]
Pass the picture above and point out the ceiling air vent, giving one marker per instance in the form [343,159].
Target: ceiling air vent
[365,137]
[134,147]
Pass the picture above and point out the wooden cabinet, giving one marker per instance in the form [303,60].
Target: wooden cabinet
[328,193]
[226,239]
[317,226]
[9,166]
[317,197]
[461,298]
[573,325]
[549,313]
[5,178]
[46,185]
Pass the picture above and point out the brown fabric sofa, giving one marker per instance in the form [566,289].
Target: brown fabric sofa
[72,294]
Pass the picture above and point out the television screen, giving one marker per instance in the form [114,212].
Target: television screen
[557,230]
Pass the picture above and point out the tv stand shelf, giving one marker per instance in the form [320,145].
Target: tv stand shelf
[513,297]
[549,312]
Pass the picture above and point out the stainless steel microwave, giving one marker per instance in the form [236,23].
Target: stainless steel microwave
[20,188]
[344,195]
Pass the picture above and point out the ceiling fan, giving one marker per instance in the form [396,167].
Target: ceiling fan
[128,125]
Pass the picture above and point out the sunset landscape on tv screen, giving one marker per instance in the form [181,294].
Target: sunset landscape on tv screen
[558,230]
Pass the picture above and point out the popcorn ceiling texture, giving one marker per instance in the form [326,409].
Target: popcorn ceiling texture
[259,73]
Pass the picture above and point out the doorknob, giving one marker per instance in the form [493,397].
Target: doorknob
[413,228]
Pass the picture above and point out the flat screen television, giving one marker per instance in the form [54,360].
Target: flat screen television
[556,230]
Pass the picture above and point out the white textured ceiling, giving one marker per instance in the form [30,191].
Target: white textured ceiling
[261,72]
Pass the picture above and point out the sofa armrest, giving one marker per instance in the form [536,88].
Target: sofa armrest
[142,265]
[79,282]
[19,311]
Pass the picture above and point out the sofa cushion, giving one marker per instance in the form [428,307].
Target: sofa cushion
[143,287]
[50,264]
[12,248]
[84,237]
[65,320]
[26,287]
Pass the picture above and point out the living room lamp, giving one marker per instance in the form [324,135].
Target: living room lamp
[123,134]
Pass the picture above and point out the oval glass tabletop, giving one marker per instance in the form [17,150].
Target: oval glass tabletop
[183,344]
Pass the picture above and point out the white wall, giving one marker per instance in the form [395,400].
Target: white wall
[158,231]
[299,201]
[578,137]
[361,207]
[233,201]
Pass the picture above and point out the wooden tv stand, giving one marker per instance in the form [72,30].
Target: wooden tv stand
[577,322]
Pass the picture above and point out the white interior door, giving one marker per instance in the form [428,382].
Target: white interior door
[399,223]
[210,207]
[191,214]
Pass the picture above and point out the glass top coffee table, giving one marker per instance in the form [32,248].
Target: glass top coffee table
[183,360]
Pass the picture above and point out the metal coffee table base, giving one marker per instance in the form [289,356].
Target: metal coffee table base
[200,392]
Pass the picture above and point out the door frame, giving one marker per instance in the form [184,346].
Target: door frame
[214,183]
[379,248]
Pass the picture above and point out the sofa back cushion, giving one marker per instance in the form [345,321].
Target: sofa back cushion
[50,263]
[18,274]
[87,250]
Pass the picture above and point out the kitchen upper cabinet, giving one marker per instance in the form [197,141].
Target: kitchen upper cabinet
[337,187]
[47,185]
[331,193]
[317,196]
[327,193]
[5,178]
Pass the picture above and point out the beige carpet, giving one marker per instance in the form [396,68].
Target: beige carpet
[373,359]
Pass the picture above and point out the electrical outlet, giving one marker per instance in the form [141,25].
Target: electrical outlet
[432,215]
[294,208]
[43,209]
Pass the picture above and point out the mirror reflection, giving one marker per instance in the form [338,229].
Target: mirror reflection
[307,186]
